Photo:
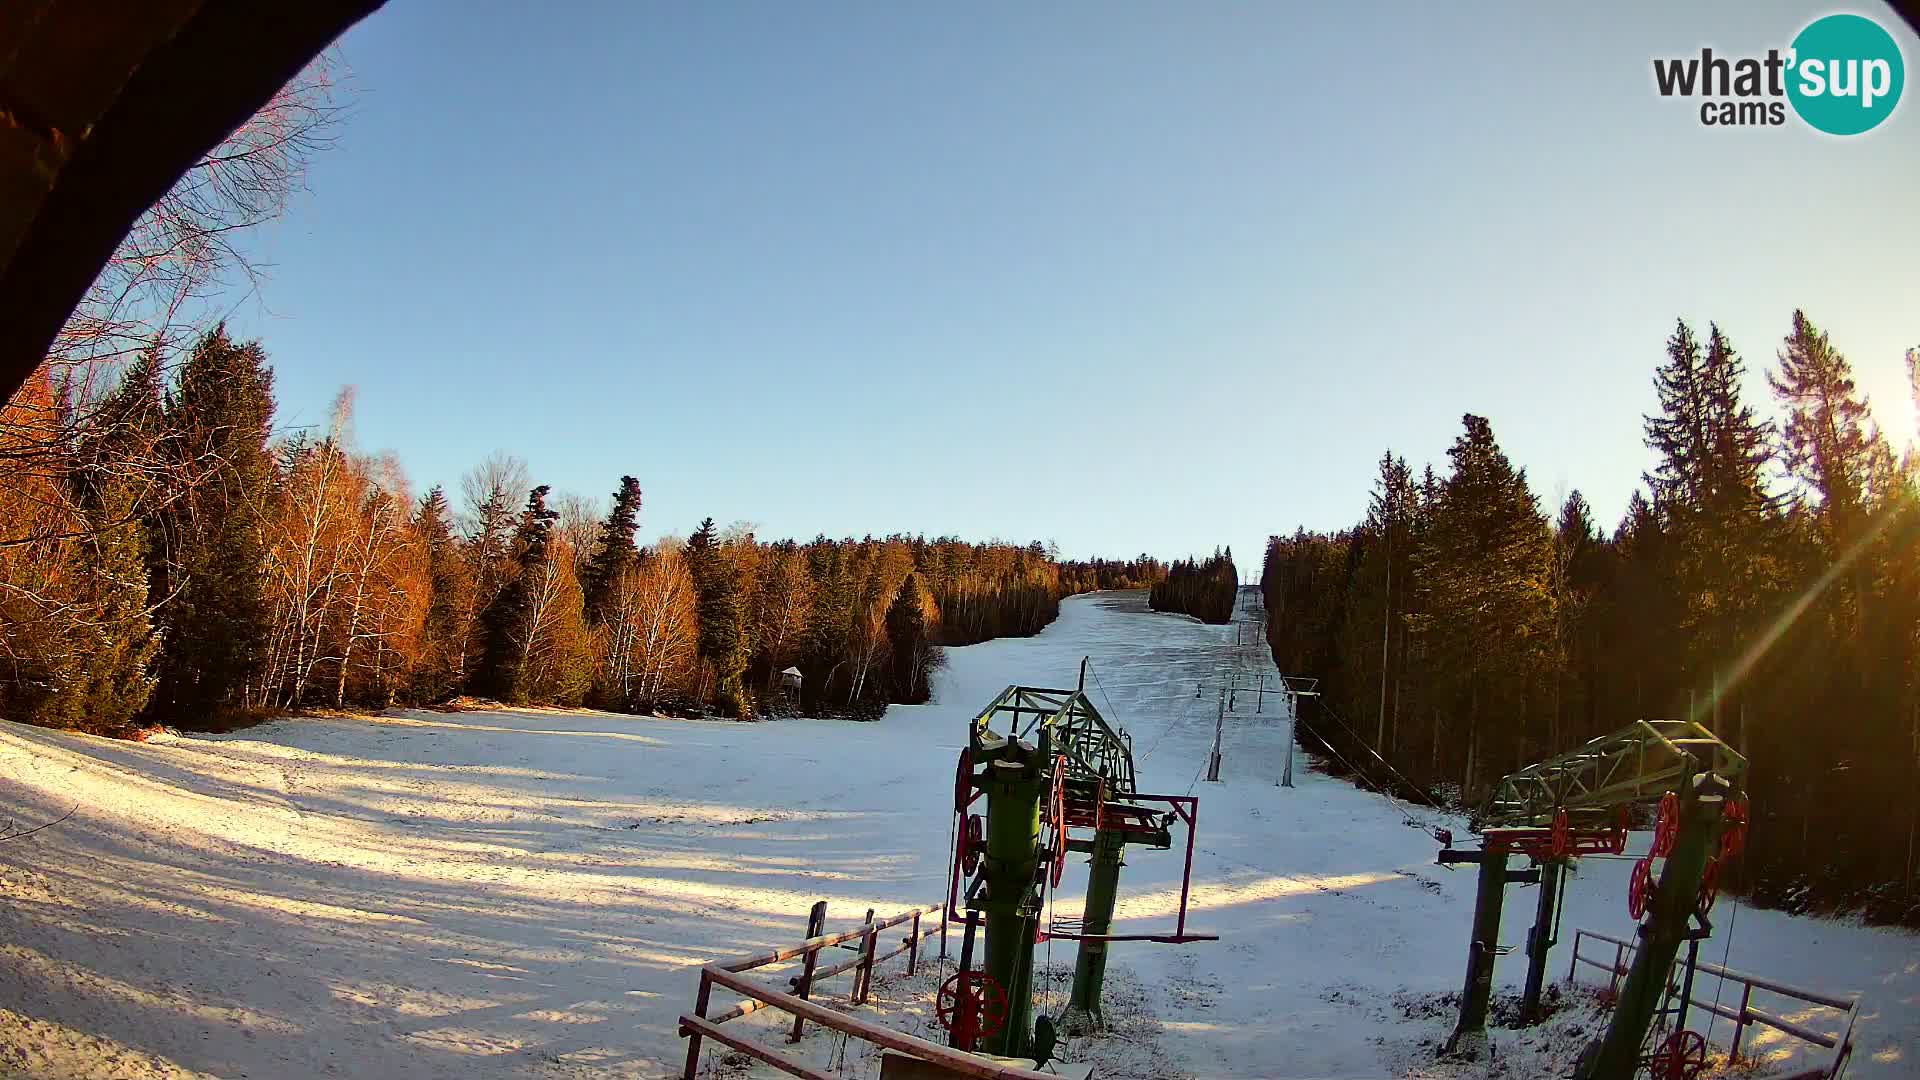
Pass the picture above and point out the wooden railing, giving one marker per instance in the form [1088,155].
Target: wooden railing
[697,1025]
[1745,1014]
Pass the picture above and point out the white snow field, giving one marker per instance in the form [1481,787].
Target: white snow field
[529,893]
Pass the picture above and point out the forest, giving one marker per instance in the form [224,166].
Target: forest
[179,562]
[1204,589]
[1764,580]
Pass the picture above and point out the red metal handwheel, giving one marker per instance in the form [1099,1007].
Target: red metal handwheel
[1640,888]
[1682,1056]
[973,841]
[1562,835]
[972,1006]
[1666,825]
[1709,887]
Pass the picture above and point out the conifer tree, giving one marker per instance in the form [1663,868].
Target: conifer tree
[614,552]
[443,638]
[212,564]
[506,625]
[1485,572]
[718,591]
[912,654]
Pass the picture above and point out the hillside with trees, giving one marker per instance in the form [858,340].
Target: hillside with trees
[1203,589]
[177,560]
[1765,580]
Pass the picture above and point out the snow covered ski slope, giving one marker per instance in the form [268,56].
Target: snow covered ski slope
[526,893]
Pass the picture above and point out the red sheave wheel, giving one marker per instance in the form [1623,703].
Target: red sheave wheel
[1682,1056]
[1059,805]
[1709,887]
[1666,826]
[1733,835]
[963,782]
[973,841]
[972,1006]
[1640,888]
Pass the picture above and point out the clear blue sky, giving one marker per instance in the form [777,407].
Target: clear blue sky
[1129,277]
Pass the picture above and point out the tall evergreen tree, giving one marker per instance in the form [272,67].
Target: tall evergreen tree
[212,563]
[912,654]
[1488,606]
[505,625]
[722,613]
[443,636]
[614,552]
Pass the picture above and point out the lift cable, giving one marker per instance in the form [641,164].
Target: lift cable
[1428,799]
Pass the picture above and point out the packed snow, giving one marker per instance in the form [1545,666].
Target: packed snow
[530,893]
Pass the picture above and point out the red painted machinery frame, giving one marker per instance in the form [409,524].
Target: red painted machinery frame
[1187,809]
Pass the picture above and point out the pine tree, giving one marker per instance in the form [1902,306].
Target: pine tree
[614,552]
[212,563]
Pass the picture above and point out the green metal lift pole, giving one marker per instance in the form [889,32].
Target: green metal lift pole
[1540,939]
[1009,898]
[1481,950]
[1090,968]
[1663,932]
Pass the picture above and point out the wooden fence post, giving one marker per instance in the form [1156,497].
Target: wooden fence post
[1740,1025]
[693,1038]
[816,925]
[863,974]
[913,946]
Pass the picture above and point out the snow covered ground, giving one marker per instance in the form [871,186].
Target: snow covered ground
[527,893]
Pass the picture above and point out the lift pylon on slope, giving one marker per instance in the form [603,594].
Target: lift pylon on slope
[1580,803]
[1059,778]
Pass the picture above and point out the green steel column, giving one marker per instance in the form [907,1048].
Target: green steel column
[1660,939]
[1480,951]
[1090,967]
[1540,940]
[1009,900]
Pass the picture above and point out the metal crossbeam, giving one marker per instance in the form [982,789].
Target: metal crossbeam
[1094,750]
[1638,763]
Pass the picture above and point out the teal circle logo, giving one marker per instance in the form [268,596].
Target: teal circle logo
[1846,74]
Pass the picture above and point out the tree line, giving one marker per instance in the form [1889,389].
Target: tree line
[1205,589]
[175,560]
[1764,580]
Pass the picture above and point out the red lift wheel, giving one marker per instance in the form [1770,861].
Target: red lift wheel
[1620,832]
[1059,804]
[1709,887]
[1733,837]
[973,840]
[1682,1056]
[1562,835]
[963,782]
[1640,888]
[972,1006]
[1666,826]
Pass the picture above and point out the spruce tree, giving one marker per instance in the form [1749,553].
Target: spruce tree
[504,624]
[910,641]
[1829,444]
[614,552]
[212,560]
[444,633]
[722,614]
